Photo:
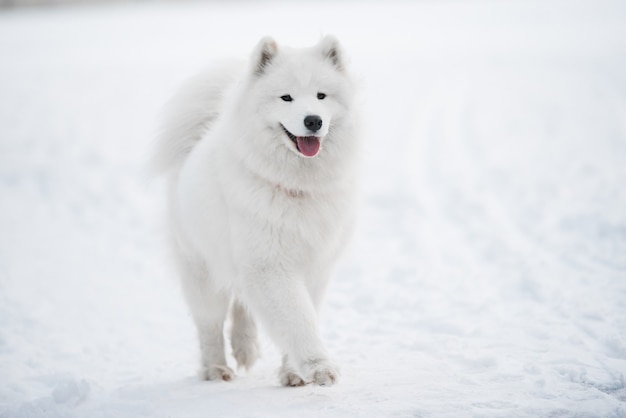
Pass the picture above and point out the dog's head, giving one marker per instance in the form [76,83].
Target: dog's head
[301,94]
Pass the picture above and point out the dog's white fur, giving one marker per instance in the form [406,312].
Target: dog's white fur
[256,226]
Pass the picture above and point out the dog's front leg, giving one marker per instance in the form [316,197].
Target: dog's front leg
[284,306]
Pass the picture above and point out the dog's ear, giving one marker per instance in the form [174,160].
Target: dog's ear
[332,51]
[263,54]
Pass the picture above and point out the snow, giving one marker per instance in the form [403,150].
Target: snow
[488,274]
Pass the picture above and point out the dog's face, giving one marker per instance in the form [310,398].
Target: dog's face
[301,94]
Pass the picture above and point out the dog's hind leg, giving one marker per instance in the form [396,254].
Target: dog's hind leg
[243,336]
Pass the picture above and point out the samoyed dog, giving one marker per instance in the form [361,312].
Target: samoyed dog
[261,163]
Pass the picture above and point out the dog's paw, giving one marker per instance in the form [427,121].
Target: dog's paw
[290,379]
[325,377]
[217,372]
[246,352]
[321,372]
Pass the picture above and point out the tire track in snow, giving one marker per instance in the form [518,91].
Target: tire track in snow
[461,193]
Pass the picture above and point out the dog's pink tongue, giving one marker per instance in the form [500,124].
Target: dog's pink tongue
[309,145]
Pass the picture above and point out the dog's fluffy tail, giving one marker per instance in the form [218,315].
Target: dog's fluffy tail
[188,116]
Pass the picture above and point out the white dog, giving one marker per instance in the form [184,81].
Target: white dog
[261,161]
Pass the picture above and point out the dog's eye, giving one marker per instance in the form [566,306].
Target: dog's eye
[286,98]
[321,96]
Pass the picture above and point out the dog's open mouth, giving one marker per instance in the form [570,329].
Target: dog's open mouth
[308,146]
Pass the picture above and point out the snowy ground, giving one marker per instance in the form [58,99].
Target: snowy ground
[488,276]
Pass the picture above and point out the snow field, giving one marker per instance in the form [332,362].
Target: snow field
[488,275]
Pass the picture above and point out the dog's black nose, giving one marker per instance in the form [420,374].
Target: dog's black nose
[313,123]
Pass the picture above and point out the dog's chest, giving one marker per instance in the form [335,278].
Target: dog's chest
[304,214]
[293,222]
